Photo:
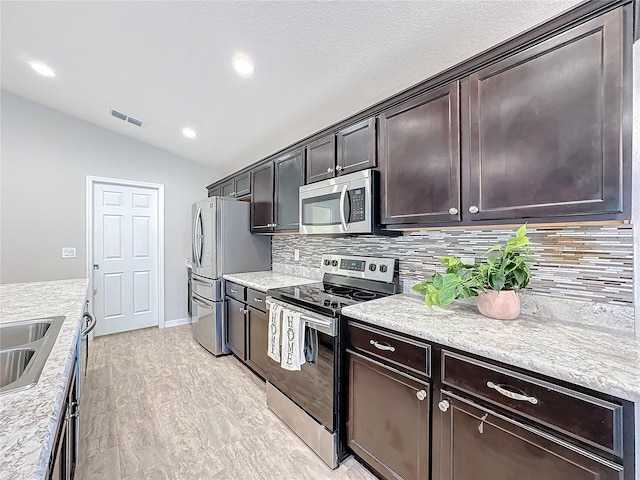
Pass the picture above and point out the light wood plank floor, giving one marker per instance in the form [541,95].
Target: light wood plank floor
[157,406]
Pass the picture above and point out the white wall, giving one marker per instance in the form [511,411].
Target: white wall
[45,157]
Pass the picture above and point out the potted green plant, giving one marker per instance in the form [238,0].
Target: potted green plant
[495,281]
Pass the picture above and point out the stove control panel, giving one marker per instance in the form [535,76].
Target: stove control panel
[370,268]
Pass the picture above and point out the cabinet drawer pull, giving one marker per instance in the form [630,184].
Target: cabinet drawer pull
[513,395]
[443,405]
[256,299]
[382,346]
[233,290]
[473,209]
[421,394]
[453,211]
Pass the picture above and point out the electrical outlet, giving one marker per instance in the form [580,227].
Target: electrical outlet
[69,252]
[296,254]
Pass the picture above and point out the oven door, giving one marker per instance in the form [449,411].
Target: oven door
[313,387]
[340,205]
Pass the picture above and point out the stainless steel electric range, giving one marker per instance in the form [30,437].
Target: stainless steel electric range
[312,401]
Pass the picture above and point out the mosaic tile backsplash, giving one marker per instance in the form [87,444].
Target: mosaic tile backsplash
[593,263]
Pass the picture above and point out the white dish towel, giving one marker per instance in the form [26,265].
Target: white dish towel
[273,343]
[292,340]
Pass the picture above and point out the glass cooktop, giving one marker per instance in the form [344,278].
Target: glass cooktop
[323,297]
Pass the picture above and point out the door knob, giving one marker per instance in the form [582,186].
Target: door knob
[443,405]
[421,394]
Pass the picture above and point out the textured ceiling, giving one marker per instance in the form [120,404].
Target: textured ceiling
[169,63]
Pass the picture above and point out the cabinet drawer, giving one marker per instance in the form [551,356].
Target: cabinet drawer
[590,419]
[236,291]
[407,353]
[256,299]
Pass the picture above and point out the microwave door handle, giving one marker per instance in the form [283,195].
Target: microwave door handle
[343,213]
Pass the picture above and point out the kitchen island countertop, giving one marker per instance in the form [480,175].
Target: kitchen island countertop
[591,357]
[29,418]
[265,280]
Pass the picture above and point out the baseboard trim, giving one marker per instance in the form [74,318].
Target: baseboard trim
[176,322]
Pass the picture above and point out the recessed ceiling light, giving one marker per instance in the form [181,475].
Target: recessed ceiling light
[244,65]
[189,132]
[43,69]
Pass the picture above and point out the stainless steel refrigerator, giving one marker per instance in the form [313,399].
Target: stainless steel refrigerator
[221,243]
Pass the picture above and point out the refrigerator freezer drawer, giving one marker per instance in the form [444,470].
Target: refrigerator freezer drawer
[207,288]
[208,324]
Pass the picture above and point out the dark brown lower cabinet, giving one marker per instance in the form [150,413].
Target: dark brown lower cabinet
[478,443]
[62,465]
[235,327]
[257,336]
[388,419]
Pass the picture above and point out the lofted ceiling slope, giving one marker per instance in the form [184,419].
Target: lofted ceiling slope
[169,63]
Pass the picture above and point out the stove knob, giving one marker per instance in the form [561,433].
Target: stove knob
[383,268]
[372,267]
[327,262]
[334,304]
[334,263]
[327,303]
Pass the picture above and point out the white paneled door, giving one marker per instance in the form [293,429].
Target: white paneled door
[125,257]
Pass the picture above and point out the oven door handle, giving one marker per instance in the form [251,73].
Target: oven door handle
[317,321]
[343,214]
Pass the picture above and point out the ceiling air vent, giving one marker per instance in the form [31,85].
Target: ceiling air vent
[126,118]
[134,121]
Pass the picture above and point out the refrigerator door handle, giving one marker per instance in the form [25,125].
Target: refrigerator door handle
[194,240]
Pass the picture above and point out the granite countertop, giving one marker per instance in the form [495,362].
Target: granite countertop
[263,281]
[592,357]
[29,418]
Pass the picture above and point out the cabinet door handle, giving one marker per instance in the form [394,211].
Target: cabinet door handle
[421,394]
[256,299]
[453,211]
[243,310]
[339,168]
[443,405]
[383,346]
[513,395]
[329,170]
[473,209]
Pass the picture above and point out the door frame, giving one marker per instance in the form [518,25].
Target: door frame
[91,181]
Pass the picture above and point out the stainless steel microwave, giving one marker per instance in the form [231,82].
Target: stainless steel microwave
[341,205]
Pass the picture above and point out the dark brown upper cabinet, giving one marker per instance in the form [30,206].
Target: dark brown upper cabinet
[227,189]
[356,150]
[262,199]
[238,186]
[289,176]
[214,190]
[420,159]
[321,159]
[275,187]
[356,147]
[545,127]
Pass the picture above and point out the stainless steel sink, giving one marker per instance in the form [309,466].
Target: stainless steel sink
[12,336]
[24,349]
[13,364]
